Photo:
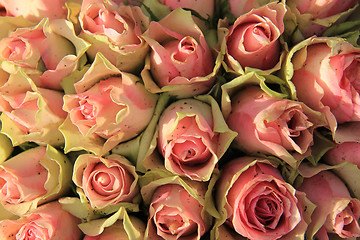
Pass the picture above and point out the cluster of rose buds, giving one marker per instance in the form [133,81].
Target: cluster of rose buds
[179,119]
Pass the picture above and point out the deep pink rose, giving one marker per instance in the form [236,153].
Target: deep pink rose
[326,78]
[343,152]
[36,10]
[272,125]
[336,212]
[314,17]
[175,214]
[258,204]
[33,177]
[253,39]
[47,222]
[180,60]
[105,181]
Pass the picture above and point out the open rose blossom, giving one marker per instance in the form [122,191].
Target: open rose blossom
[257,203]
[336,211]
[326,78]
[47,52]
[180,61]
[176,208]
[106,109]
[314,17]
[105,181]
[47,222]
[271,125]
[36,9]
[253,39]
[115,31]
[191,138]
[33,177]
[30,113]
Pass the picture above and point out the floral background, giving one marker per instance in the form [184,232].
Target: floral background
[179,119]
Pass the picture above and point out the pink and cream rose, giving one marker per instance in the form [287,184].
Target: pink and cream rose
[105,181]
[180,61]
[326,78]
[336,211]
[253,40]
[257,203]
[33,177]
[272,125]
[49,221]
[115,31]
[105,109]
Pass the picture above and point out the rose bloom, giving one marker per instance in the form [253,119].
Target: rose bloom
[253,39]
[120,231]
[257,202]
[271,125]
[33,177]
[343,152]
[36,9]
[105,181]
[175,214]
[180,61]
[115,31]
[326,78]
[30,113]
[314,17]
[187,139]
[106,108]
[336,212]
[49,221]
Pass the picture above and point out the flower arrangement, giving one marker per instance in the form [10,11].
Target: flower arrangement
[179,119]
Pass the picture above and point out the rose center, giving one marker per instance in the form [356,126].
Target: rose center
[352,74]
[186,47]
[103,179]
[265,211]
[14,50]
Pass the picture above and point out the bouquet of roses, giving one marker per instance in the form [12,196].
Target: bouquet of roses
[179,119]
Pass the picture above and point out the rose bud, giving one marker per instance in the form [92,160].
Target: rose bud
[253,39]
[29,113]
[124,227]
[176,207]
[336,211]
[257,203]
[115,31]
[49,221]
[105,109]
[33,177]
[37,10]
[28,48]
[272,125]
[105,181]
[240,7]
[180,61]
[314,17]
[325,75]
[344,152]
[190,140]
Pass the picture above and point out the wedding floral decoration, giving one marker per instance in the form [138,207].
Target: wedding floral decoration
[179,119]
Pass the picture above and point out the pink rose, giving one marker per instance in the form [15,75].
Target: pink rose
[336,212]
[33,177]
[47,222]
[257,203]
[180,61]
[36,9]
[105,181]
[175,214]
[344,152]
[30,113]
[314,17]
[240,7]
[326,78]
[115,31]
[105,109]
[253,39]
[272,125]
